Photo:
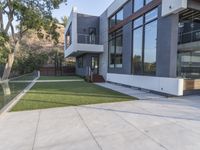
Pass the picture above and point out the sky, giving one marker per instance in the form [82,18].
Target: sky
[92,7]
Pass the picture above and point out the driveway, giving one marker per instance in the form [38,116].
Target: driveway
[160,124]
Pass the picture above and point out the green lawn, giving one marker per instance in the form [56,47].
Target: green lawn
[49,95]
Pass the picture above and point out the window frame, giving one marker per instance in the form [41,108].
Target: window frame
[115,17]
[116,34]
[143,39]
[144,4]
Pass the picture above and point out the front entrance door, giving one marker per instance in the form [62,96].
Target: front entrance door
[95,65]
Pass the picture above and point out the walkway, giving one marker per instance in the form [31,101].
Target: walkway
[154,124]
[142,95]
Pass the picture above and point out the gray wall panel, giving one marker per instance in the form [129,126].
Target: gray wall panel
[167,45]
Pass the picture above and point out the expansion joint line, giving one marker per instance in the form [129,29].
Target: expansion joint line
[143,132]
[36,130]
[88,129]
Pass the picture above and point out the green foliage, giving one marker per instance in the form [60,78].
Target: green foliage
[30,62]
[3,50]
[36,14]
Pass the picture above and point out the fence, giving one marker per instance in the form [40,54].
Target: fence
[51,71]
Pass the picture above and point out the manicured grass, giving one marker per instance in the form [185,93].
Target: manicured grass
[60,78]
[49,95]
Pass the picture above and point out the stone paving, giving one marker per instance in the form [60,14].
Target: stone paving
[153,124]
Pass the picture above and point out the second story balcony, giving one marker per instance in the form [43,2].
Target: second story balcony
[189,30]
[82,35]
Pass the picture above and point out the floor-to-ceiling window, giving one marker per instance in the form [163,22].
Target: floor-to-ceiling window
[115,49]
[188,64]
[116,18]
[138,4]
[138,45]
[144,44]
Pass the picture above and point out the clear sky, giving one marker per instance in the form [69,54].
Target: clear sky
[93,7]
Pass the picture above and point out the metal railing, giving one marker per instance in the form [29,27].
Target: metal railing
[189,37]
[86,39]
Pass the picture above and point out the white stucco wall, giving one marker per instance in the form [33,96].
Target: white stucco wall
[172,86]
[173,6]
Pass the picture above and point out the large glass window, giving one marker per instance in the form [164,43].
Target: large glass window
[150,48]
[151,15]
[188,64]
[138,4]
[112,21]
[137,46]
[119,16]
[189,26]
[68,37]
[138,22]
[144,44]
[112,53]
[118,54]
[115,49]
[116,18]
[148,1]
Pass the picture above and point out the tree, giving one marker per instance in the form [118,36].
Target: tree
[58,58]
[27,14]
[64,20]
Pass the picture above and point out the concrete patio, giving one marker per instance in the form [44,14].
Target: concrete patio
[160,124]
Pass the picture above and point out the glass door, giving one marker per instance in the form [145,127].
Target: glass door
[95,64]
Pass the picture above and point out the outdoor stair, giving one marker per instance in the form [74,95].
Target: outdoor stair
[98,78]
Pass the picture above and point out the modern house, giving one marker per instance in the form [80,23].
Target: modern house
[148,44]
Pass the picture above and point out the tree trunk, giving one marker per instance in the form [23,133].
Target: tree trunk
[8,67]
[7,70]
[9,64]
[6,88]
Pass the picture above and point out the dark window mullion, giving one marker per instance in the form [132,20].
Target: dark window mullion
[143,43]
[115,50]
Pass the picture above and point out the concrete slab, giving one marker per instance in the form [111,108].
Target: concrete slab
[17,130]
[154,124]
[62,129]
[130,91]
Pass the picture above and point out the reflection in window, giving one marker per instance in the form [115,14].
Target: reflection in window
[151,15]
[116,18]
[137,54]
[147,1]
[144,44]
[118,54]
[112,21]
[112,54]
[189,26]
[92,35]
[119,16]
[115,49]
[189,64]
[138,22]
[150,48]
[68,37]
[138,4]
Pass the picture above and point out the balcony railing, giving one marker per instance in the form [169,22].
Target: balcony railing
[87,39]
[189,37]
